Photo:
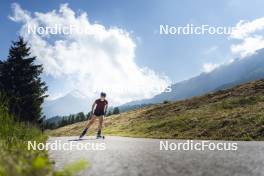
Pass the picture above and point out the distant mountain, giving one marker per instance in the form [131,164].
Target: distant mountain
[225,76]
[71,103]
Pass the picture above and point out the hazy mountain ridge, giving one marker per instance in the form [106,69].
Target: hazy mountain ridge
[72,103]
[225,76]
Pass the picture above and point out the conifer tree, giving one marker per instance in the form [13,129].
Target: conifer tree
[116,110]
[20,79]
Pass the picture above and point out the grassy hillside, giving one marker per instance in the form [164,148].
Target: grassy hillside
[232,114]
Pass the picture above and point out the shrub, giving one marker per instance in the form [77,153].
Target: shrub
[166,101]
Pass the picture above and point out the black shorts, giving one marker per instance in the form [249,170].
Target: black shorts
[99,113]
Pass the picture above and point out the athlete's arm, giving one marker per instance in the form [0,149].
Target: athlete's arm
[93,107]
[105,109]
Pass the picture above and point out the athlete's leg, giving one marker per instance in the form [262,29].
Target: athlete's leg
[100,125]
[90,122]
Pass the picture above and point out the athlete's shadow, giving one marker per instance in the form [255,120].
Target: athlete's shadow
[90,139]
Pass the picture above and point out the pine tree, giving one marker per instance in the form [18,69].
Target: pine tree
[72,119]
[81,116]
[1,68]
[20,79]
[116,110]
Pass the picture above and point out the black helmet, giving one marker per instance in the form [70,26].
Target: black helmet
[103,94]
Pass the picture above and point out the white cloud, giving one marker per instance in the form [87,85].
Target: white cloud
[248,46]
[247,34]
[101,59]
[208,67]
[245,29]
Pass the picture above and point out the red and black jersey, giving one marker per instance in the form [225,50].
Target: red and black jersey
[100,106]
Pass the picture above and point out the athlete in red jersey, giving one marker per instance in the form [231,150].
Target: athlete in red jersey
[99,110]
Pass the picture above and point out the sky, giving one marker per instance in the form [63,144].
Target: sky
[124,53]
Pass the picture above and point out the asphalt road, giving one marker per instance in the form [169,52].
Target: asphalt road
[134,156]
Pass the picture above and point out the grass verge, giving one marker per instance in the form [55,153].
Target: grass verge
[16,159]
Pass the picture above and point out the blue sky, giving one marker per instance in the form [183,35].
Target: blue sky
[178,57]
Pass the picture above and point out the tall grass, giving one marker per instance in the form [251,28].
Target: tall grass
[15,158]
